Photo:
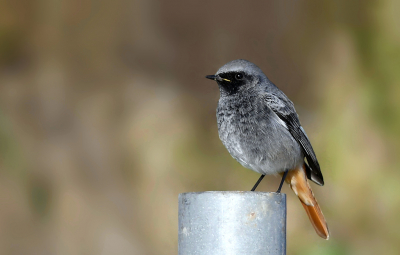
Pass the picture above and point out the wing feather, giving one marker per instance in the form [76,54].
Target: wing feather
[284,108]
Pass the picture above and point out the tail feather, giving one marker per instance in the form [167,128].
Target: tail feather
[317,220]
[297,181]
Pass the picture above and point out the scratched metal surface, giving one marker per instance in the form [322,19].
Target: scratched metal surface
[232,222]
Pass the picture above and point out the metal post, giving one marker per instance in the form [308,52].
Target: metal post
[232,222]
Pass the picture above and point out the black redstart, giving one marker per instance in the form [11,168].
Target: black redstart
[259,126]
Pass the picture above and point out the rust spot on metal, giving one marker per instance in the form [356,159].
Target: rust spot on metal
[252,216]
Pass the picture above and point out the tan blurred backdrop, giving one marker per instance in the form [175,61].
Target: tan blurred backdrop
[105,117]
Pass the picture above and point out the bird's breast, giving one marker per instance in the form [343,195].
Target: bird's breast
[255,138]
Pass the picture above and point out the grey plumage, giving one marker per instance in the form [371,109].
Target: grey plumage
[258,123]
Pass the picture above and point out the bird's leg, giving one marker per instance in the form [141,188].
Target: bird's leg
[258,182]
[283,179]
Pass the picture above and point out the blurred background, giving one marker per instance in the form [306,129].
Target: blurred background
[105,117]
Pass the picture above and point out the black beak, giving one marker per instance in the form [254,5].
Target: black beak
[211,77]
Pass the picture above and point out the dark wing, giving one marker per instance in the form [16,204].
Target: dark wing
[284,108]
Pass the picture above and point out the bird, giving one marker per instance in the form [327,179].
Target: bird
[260,128]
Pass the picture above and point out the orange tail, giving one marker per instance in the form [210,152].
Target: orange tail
[297,181]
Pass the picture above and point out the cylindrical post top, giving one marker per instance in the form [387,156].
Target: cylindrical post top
[232,222]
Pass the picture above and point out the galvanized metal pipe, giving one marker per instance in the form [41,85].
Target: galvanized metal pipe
[232,222]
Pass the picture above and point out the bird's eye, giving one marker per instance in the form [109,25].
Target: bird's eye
[239,76]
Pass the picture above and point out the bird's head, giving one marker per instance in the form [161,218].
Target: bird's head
[237,76]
